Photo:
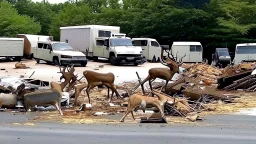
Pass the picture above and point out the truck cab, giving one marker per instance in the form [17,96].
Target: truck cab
[221,57]
[58,53]
[151,49]
[245,52]
[118,49]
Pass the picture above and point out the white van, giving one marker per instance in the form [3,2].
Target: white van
[58,53]
[193,51]
[245,52]
[151,49]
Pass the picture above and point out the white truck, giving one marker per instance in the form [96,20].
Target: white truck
[245,52]
[193,51]
[12,48]
[150,48]
[58,53]
[98,41]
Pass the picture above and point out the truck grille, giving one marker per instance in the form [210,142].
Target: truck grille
[129,55]
[78,57]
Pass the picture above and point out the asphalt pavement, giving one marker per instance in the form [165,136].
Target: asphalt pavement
[221,129]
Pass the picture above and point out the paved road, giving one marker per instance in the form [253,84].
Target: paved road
[220,130]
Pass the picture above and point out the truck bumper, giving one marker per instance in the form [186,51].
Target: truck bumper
[130,59]
[73,62]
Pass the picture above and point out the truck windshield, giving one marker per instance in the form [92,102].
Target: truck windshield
[120,42]
[223,53]
[246,50]
[62,46]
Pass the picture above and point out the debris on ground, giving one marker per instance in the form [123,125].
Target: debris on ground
[20,65]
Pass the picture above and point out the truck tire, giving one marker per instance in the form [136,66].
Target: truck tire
[154,59]
[17,58]
[56,61]
[37,60]
[95,58]
[83,64]
[113,60]
[135,64]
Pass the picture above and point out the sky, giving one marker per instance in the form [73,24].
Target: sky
[51,1]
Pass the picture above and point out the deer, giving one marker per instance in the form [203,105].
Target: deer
[45,97]
[96,79]
[67,76]
[138,101]
[163,73]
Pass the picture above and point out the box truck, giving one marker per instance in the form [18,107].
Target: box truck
[151,49]
[245,52]
[30,41]
[12,48]
[99,41]
[193,51]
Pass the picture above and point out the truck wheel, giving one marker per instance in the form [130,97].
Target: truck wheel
[95,58]
[17,58]
[113,60]
[37,60]
[154,59]
[135,64]
[56,61]
[83,64]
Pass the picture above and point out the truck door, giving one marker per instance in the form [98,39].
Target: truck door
[154,50]
[37,53]
[195,54]
[106,49]
[99,48]
[46,53]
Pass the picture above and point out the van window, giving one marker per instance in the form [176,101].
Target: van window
[40,45]
[104,33]
[45,46]
[246,50]
[195,48]
[100,42]
[154,43]
[139,42]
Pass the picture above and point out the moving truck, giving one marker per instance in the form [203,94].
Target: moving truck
[12,48]
[99,41]
[193,51]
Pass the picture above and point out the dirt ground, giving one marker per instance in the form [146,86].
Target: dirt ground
[99,96]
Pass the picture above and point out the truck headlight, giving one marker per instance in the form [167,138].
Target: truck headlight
[66,56]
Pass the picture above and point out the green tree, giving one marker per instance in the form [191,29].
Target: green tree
[12,23]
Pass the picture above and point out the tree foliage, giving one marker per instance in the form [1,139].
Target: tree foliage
[215,23]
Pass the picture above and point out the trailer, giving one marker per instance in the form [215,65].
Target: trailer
[192,50]
[30,41]
[99,41]
[12,48]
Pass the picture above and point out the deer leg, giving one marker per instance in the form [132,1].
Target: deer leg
[78,90]
[166,85]
[127,112]
[132,115]
[160,109]
[57,105]
[87,92]
[150,85]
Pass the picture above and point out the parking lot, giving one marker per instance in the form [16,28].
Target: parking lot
[48,72]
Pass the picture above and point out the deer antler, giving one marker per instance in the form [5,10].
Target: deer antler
[161,57]
[180,61]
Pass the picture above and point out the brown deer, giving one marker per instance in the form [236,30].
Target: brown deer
[163,73]
[139,101]
[45,97]
[96,79]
